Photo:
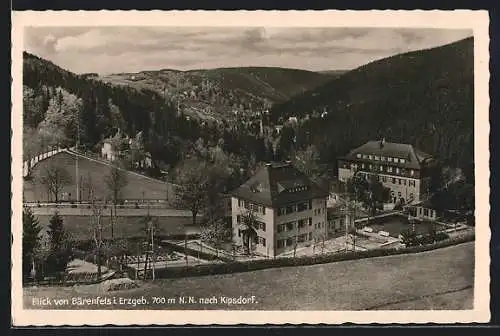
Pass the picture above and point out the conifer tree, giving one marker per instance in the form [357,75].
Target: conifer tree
[31,241]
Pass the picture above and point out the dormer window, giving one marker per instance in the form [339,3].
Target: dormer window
[389,159]
[365,156]
[358,156]
[402,160]
[376,157]
[370,157]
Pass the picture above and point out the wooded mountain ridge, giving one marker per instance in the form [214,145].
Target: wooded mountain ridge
[223,92]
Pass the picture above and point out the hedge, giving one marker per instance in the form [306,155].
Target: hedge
[254,265]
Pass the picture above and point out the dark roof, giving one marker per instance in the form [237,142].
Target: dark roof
[414,158]
[277,184]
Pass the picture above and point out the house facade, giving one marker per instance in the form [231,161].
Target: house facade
[402,168]
[289,208]
[423,210]
[107,151]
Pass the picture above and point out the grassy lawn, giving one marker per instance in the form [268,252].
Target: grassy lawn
[456,300]
[127,226]
[413,281]
[153,189]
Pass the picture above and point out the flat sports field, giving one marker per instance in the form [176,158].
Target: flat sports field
[138,186]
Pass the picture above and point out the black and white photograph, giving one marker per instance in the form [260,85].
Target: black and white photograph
[240,165]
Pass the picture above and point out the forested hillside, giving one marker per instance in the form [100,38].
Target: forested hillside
[425,98]
[219,93]
[54,99]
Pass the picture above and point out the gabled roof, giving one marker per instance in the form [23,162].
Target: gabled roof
[277,184]
[414,158]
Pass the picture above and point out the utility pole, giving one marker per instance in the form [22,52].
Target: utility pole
[346,211]
[153,261]
[77,157]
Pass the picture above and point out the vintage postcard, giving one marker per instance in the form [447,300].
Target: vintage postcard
[266,167]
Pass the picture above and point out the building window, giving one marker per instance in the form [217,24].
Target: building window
[397,170]
[281,243]
[389,169]
[396,160]
[310,221]
[402,160]
[310,205]
[238,218]
[404,182]
[301,223]
[289,242]
[302,238]
[281,211]
[302,206]
[411,183]
[365,156]
[376,157]
[382,158]
[239,233]
[384,178]
[290,209]
[393,180]
[358,156]
[261,226]
[381,168]
[363,165]
[310,236]
[399,180]
[370,167]
[263,210]
[426,212]
[399,193]
[240,203]
[289,226]
[262,241]
[389,159]
[412,172]
[281,228]
[370,157]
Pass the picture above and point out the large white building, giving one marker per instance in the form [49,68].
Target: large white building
[290,209]
[405,170]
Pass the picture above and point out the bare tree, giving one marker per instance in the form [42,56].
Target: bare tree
[115,181]
[97,207]
[193,185]
[54,178]
[248,227]
[87,184]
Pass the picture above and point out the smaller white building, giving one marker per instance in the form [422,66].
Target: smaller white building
[107,151]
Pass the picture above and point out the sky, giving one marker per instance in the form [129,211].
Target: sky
[106,50]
